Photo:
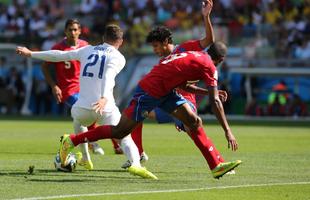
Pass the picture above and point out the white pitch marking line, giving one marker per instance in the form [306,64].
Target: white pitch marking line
[163,191]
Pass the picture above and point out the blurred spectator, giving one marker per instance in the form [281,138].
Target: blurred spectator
[16,88]
[277,100]
[41,92]
[87,6]
[303,50]
[297,107]
[253,108]
[272,14]
[3,71]
[249,85]
[276,108]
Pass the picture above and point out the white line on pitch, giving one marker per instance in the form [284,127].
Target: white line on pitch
[163,191]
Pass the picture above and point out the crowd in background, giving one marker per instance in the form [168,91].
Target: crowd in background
[281,26]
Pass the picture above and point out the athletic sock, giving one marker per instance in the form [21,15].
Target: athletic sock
[130,150]
[136,135]
[115,144]
[101,132]
[78,128]
[206,147]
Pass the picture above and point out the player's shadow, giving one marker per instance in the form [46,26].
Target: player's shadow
[26,153]
[50,175]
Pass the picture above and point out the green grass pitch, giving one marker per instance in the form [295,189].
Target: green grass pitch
[276,165]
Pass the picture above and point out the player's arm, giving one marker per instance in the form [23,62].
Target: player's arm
[50,81]
[189,87]
[218,110]
[51,55]
[206,10]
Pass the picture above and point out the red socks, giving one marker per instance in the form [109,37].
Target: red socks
[101,132]
[115,144]
[207,148]
[136,135]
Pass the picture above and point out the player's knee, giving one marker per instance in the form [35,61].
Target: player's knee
[119,132]
[195,123]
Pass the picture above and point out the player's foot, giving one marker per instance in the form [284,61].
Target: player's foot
[118,150]
[96,149]
[142,172]
[222,168]
[144,157]
[126,165]
[87,164]
[66,146]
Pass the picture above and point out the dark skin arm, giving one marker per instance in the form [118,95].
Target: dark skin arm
[191,88]
[206,10]
[218,110]
[55,89]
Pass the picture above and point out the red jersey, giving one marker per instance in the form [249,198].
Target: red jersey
[191,45]
[176,69]
[68,73]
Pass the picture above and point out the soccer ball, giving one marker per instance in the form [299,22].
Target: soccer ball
[70,167]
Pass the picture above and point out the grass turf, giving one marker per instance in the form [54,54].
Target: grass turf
[275,165]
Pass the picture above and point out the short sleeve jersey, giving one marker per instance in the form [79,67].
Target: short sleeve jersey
[176,69]
[191,45]
[68,72]
[99,66]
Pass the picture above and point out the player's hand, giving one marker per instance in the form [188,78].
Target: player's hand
[23,51]
[232,142]
[57,93]
[223,95]
[99,105]
[206,7]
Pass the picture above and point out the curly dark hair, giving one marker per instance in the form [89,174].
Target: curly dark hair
[159,34]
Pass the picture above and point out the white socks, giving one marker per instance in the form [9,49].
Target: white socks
[78,128]
[131,151]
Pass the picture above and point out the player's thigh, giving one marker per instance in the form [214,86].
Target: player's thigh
[179,123]
[109,118]
[179,107]
[83,116]
[184,113]
[161,116]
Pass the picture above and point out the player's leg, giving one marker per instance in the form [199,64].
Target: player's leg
[180,109]
[129,147]
[185,114]
[116,146]
[156,114]
[82,116]
[131,117]
[70,101]
[194,123]
[202,141]
[94,146]
[136,135]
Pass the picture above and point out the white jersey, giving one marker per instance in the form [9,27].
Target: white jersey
[99,67]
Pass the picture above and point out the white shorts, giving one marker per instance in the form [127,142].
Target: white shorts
[86,117]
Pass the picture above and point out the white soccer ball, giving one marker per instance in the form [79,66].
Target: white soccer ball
[70,167]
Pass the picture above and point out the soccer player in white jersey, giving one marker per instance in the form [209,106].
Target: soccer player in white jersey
[99,67]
